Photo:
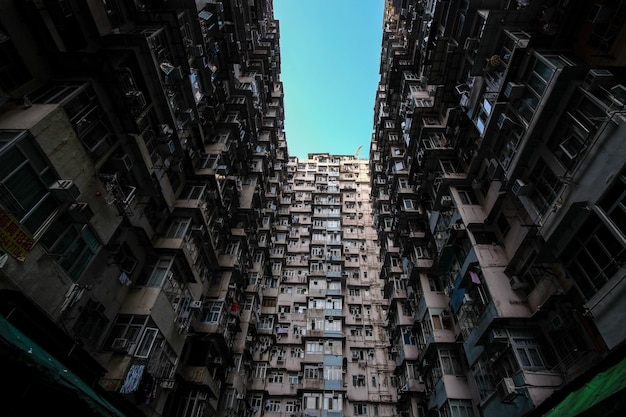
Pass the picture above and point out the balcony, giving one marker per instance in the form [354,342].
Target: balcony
[202,375]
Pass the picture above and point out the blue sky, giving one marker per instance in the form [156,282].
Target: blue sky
[330,58]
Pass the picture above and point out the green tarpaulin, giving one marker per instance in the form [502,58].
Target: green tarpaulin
[601,387]
[34,355]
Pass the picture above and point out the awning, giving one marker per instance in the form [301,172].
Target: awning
[32,354]
[601,387]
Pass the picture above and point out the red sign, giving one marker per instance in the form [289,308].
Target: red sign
[14,238]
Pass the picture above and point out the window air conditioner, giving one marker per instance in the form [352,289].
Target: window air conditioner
[196,50]
[168,384]
[470,44]
[513,90]
[195,304]
[519,187]
[80,212]
[506,390]
[446,202]
[122,162]
[168,147]
[517,284]
[498,335]
[64,191]
[120,345]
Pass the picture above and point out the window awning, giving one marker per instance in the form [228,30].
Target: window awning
[602,386]
[34,355]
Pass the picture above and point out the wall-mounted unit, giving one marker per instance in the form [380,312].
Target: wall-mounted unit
[502,120]
[167,147]
[195,304]
[596,78]
[498,335]
[470,44]
[506,390]
[120,345]
[446,202]
[136,99]
[168,384]
[196,50]
[80,212]
[520,187]
[513,90]
[122,162]
[517,284]
[64,191]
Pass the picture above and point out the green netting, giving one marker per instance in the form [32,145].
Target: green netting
[34,355]
[601,387]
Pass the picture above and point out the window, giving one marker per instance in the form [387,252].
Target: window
[458,408]
[92,322]
[311,372]
[260,370]
[213,311]
[360,409]
[547,185]
[126,332]
[333,402]
[358,380]
[146,343]
[178,227]
[527,348]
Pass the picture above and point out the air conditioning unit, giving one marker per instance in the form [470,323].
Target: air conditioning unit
[168,384]
[202,396]
[177,73]
[218,360]
[519,188]
[64,191]
[498,335]
[470,44]
[457,226]
[122,162]
[240,396]
[394,350]
[196,50]
[467,298]
[502,119]
[120,345]
[195,304]
[168,147]
[357,317]
[446,202]
[517,284]
[597,77]
[136,99]
[513,90]
[80,212]
[355,356]
[506,390]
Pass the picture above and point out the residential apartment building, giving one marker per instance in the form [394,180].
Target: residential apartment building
[161,252]
[498,174]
